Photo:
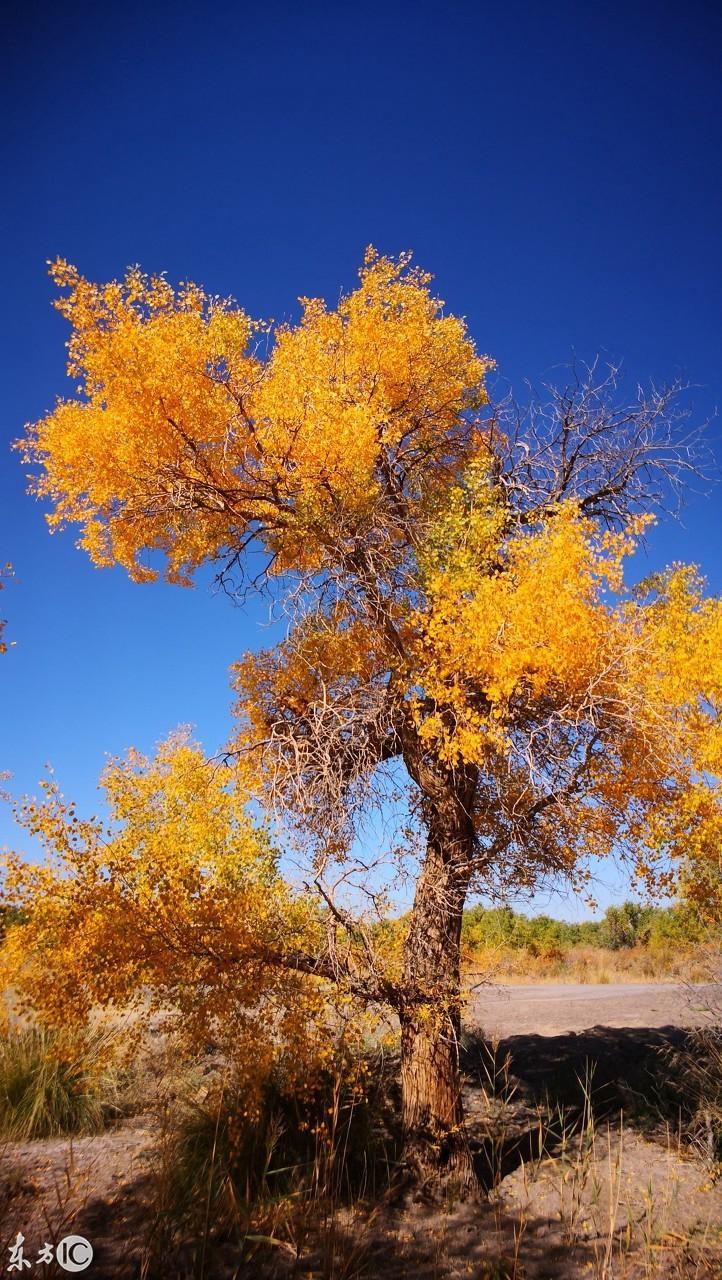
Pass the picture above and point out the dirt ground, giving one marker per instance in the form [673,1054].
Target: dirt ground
[548,1009]
[581,1175]
[92,1186]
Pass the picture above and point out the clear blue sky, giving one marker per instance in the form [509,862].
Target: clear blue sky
[557,166]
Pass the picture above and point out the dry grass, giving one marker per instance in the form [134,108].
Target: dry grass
[309,1187]
[53,1083]
[288,1181]
[588,964]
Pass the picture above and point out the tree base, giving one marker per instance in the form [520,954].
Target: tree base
[441,1168]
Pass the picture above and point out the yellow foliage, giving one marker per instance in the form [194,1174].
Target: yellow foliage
[185,438]
[443,616]
[173,907]
[534,627]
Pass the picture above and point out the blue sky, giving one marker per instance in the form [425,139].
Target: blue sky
[556,166]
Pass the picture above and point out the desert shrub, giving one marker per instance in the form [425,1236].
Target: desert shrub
[624,926]
[53,1083]
[695,1070]
[706,1080]
[695,1073]
[227,1174]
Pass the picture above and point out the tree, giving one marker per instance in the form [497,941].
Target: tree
[625,926]
[462,655]
[173,905]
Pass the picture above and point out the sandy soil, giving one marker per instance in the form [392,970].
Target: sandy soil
[94,1186]
[548,1009]
[581,1177]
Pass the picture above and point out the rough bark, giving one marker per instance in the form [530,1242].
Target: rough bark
[434,1136]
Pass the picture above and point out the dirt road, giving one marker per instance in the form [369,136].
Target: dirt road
[549,1009]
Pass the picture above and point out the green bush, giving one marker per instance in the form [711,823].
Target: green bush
[629,925]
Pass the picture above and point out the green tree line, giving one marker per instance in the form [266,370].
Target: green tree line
[625,926]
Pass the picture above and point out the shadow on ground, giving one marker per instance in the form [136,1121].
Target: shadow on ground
[637,1070]
[525,1094]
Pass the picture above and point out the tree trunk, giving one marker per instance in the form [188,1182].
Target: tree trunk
[435,1143]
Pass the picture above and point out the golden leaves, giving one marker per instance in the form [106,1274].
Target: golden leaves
[174,903]
[155,368]
[493,629]
[519,617]
[184,437]
[542,650]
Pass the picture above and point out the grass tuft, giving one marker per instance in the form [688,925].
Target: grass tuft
[53,1083]
[263,1182]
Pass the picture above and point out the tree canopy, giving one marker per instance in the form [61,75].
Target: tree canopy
[172,906]
[462,650]
[454,578]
